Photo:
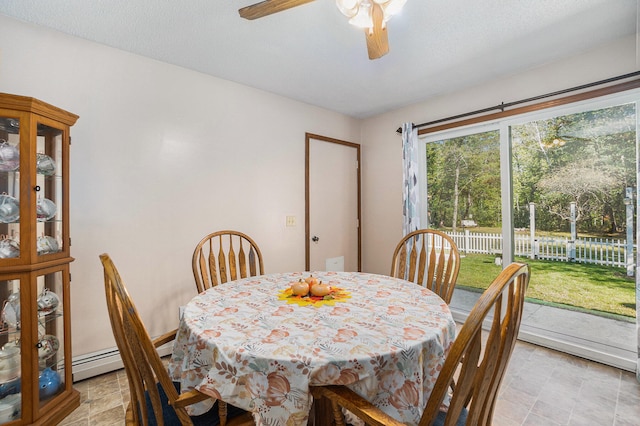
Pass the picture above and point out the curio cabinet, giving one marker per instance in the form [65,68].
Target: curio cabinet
[35,330]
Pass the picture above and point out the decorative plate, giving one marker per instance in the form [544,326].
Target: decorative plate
[11,310]
[45,209]
[45,165]
[46,244]
[48,302]
[9,156]
[9,248]
[9,209]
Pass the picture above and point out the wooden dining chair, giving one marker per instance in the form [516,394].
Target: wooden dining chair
[478,370]
[225,256]
[430,258]
[155,399]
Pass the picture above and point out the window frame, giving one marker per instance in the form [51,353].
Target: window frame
[606,98]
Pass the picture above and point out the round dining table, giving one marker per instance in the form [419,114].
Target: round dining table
[257,346]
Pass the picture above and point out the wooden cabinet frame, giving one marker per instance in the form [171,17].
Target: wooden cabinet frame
[40,126]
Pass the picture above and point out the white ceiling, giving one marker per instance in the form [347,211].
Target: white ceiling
[310,53]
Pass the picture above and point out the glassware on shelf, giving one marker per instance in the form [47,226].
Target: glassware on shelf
[9,248]
[11,310]
[11,401]
[45,209]
[9,157]
[10,388]
[48,346]
[48,302]
[47,244]
[10,125]
[12,344]
[49,381]
[9,209]
[9,364]
[45,165]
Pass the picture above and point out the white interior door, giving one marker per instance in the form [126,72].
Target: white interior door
[333,205]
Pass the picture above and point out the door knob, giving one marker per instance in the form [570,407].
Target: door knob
[315,239]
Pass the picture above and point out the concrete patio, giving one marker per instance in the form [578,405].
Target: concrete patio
[609,341]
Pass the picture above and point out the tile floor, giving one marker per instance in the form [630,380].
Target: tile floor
[103,400]
[542,387]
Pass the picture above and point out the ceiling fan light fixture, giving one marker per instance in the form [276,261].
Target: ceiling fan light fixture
[391,7]
[349,8]
[371,15]
[363,19]
[359,12]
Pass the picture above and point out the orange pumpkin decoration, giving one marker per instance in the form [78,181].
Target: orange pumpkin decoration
[311,280]
[300,288]
[320,290]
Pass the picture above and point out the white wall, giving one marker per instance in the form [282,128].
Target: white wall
[160,157]
[382,146]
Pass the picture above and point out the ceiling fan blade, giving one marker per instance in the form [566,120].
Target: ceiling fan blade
[267,7]
[377,40]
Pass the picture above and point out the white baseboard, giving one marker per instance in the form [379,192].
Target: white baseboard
[582,351]
[101,362]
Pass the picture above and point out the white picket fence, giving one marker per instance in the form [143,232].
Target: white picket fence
[603,251]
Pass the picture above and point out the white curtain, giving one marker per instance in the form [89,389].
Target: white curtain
[410,195]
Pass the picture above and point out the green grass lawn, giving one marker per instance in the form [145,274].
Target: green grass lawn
[601,290]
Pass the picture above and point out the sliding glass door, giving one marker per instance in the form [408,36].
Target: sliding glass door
[464,200]
[556,189]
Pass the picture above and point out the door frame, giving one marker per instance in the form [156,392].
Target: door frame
[307,231]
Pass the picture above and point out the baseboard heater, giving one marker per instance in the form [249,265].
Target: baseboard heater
[101,362]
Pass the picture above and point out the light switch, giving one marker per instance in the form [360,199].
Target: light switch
[291,221]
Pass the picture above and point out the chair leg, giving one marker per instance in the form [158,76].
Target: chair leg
[337,414]
[222,412]
[325,412]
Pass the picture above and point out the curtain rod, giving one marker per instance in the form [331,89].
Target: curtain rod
[502,105]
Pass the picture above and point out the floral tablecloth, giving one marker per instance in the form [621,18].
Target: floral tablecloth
[242,343]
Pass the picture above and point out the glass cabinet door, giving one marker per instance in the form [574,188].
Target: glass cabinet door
[51,335]
[49,190]
[9,187]
[10,354]
[48,187]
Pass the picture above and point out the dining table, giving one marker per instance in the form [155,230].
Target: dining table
[255,344]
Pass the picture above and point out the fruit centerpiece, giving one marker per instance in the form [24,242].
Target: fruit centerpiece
[312,291]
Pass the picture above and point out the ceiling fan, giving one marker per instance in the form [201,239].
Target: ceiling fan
[372,15]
